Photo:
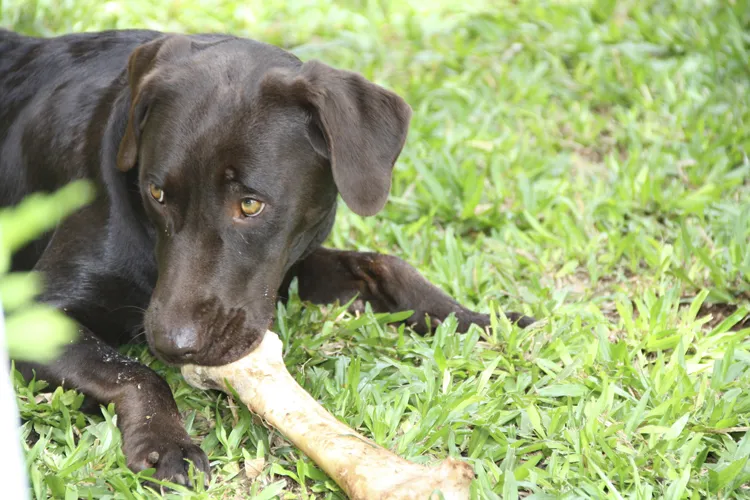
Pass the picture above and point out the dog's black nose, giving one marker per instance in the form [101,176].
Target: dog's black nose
[178,343]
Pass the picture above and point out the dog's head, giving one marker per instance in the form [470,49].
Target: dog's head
[241,151]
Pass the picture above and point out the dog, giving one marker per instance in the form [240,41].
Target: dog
[217,162]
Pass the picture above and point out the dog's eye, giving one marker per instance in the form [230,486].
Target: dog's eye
[157,193]
[252,207]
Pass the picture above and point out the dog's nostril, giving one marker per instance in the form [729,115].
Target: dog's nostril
[178,342]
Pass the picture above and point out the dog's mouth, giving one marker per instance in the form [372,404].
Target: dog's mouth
[217,339]
[213,354]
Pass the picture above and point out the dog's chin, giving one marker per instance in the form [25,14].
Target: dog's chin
[233,352]
[217,354]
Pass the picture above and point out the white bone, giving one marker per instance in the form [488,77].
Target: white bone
[363,469]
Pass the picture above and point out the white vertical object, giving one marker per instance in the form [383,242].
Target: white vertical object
[13,479]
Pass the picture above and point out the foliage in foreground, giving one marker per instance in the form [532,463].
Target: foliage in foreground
[584,161]
[34,331]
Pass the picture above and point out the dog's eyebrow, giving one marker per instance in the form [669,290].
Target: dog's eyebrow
[156,180]
[242,187]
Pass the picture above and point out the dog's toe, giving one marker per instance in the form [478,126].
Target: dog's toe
[171,460]
[519,319]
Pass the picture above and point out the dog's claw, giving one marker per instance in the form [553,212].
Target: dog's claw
[170,460]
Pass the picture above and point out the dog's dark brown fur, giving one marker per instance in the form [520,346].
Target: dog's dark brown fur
[176,131]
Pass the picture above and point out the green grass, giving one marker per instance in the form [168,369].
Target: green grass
[582,161]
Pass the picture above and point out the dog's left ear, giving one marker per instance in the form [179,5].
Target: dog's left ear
[144,60]
[357,125]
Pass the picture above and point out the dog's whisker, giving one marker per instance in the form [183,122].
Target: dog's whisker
[138,336]
[126,307]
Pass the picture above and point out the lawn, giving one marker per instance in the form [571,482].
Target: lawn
[581,161]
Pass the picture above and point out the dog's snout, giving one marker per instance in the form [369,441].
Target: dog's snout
[178,342]
[203,332]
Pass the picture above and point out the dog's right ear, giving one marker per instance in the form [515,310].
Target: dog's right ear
[142,63]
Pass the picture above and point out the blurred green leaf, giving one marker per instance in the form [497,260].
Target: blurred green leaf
[38,332]
[34,332]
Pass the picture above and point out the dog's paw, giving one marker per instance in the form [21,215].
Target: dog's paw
[483,320]
[519,319]
[169,457]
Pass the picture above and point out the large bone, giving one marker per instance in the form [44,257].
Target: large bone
[363,469]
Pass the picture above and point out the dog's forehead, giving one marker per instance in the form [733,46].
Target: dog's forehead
[266,147]
[210,117]
[240,63]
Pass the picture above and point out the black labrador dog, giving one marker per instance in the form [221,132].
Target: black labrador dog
[217,162]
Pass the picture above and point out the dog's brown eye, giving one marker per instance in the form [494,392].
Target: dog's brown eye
[252,207]
[157,193]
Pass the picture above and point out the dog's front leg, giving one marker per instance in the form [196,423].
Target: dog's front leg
[388,283]
[152,431]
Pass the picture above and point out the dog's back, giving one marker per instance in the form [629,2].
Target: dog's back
[52,92]
[49,90]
